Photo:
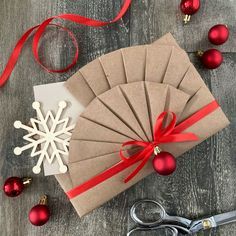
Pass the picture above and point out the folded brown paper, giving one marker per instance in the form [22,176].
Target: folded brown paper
[120,109]
[129,65]
[98,126]
[102,134]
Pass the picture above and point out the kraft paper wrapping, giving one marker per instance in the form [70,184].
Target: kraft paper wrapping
[119,109]
[118,67]
[98,125]
[157,63]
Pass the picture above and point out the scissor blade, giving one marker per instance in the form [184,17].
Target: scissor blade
[225,218]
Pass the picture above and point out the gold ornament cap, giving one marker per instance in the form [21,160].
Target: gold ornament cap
[186,19]
[199,53]
[43,200]
[157,150]
[26,181]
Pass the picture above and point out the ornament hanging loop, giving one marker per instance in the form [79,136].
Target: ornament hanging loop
[43,200]
[186,19]
[27,181]
[199,53]
[156,150]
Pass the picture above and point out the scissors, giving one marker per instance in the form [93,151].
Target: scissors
[174,225]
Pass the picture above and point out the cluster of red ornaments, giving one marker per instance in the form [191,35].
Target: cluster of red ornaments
[39,214]
[217,35]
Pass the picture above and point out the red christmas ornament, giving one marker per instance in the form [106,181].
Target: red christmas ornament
[189,7]
[211,58]
[218,34]
[40,214]
[14,186]
[164,163]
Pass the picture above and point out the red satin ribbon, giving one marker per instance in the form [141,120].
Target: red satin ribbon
[40,30]
[160,135]
[169,134]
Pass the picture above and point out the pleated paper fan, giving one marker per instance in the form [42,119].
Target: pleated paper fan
[155,63]
[158,62]
[125,112]
[128,112]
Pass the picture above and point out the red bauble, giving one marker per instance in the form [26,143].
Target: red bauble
[39,215]
[218,34]
[212,58]
[13,186]
[190,7]
[164,163]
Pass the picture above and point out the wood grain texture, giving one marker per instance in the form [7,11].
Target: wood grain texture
[205,180]
[151,19]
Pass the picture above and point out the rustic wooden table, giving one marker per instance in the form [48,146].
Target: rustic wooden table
[204,183]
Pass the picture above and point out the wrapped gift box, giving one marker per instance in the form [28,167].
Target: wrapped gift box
[123,92]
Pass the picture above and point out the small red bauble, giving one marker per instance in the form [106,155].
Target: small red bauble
[164,163]
[218,34]
[14,186]
[39,214]
[212,58]
[190,7]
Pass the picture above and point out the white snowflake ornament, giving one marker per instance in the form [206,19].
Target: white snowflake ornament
[54,136]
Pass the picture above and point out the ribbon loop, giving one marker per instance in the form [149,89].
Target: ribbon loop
[159,129]
[161,135]
[40,30]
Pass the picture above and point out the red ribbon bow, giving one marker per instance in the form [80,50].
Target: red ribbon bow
[171,133]
[161,134]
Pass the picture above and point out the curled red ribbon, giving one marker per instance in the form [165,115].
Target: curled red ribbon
[161,134]
[40,30]
[171,133]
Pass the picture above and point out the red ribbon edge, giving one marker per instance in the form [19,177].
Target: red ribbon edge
[40,30]
[122,165]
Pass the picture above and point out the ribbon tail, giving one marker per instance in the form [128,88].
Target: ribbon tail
[143,163]
[15,55]
[41,29]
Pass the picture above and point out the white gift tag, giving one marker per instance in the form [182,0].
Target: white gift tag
[49,95]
